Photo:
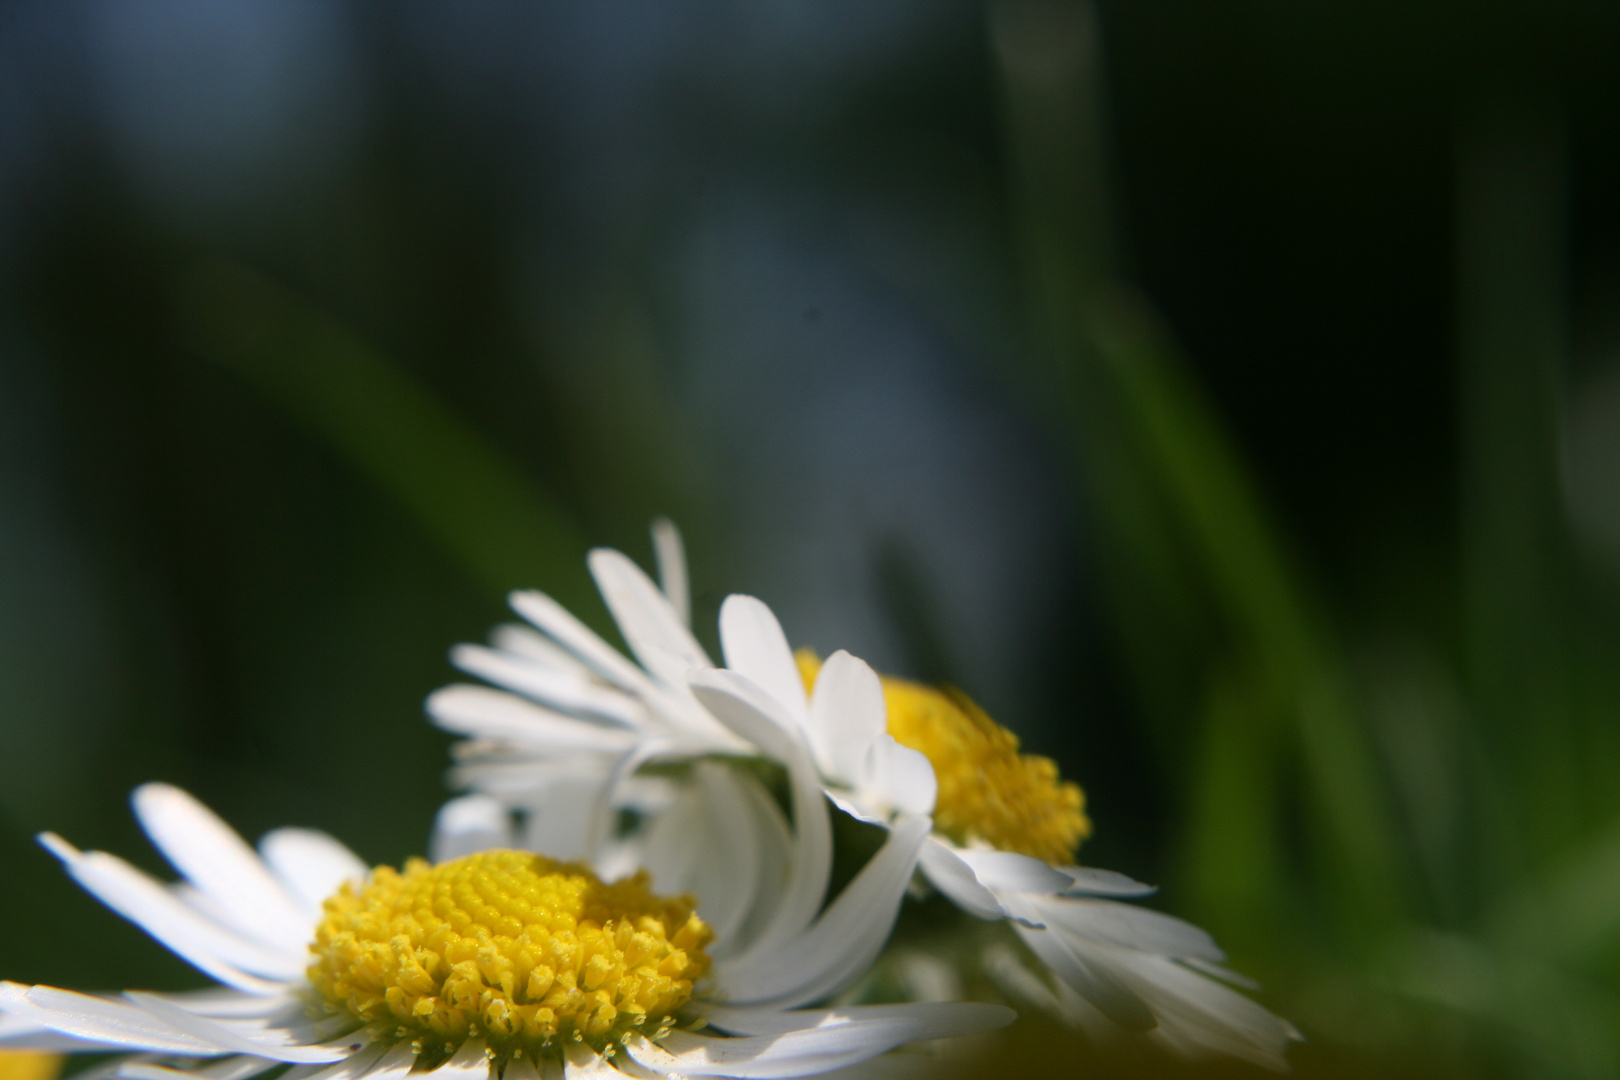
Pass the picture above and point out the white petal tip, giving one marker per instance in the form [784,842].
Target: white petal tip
[58,846]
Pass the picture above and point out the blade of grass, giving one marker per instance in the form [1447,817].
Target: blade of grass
[479,508]
[1173,498]
[1512,347]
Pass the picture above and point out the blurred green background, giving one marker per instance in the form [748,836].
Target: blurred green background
[1227,396]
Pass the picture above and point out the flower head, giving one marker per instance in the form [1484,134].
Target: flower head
[500,965]
[1002,828]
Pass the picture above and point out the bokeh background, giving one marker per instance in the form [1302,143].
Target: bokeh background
[1227,396]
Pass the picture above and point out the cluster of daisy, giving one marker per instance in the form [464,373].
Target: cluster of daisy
[638,883]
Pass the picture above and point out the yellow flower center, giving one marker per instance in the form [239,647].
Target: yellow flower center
[989,793]
[513,948]
[29,1065]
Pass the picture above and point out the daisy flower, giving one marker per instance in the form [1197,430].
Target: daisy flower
[1003,828]
[499,965]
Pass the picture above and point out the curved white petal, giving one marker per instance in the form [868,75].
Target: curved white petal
[311,864]
[17,1033]
[1088,970]
[936,1020]
[220,863]
[652,629]
[599,823]
[1017,873]
[847,714]
[579,639]
[580,1062]
[733,835]
[524,780]
[756,648]
[232,1037]
[895,1065]
[469,824]
[899,777]
[560,688]
[283,1010]
[750,713]
[774,874]
[1090,881]
[563,823]
[485,713]
[1198,1016]
[469,1062]
[796,1053]
[97,1020]
[670,555]
[204,944]
[239,1067]
[377,1061]
[530,644]
[945,869]
[1128,925]
[844,940]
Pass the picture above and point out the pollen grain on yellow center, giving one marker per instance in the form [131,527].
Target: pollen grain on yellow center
[988,792]
[511,947]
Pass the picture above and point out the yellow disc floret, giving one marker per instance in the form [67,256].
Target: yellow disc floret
[989,793]
[510,947]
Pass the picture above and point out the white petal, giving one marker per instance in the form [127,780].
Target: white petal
[847,714]
[671,556]
[658,637]
[207,946]
[1198,1016]
[579,639]
[568,691]
[1018,873]
[377,1059]
[1014,978]
[470,824]
[757,718]
[495,714]
[524,1069]
[1216,971]
[532,645]
[220,863]
[223,1002]
[1128,925]
[470,1062]
[1089,881]
[232,1037]
[896,1065]
[583,1063]
[936,1020]
[561,825]
[899,776]
[97,1020]
[796,1053]
[1090,971]
[239,1067]
[524,780]
[843,942]
[16,1033]
[950,875]
[773,877]
[311,864]
[727,893]
[599,825]
[756,648]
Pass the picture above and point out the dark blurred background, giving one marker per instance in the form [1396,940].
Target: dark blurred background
[1226,396]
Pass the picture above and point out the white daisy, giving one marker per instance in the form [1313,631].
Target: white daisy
[1003,827]
[501,965]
